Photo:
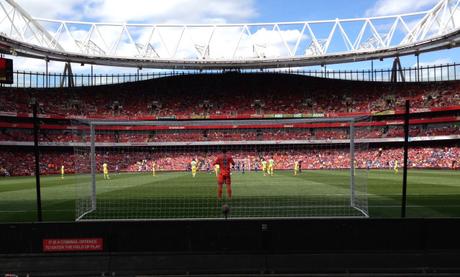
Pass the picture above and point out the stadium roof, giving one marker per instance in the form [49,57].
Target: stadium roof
[229,46]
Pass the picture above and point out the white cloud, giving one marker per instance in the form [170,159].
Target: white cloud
[52,9]
[391,7]
[151,11]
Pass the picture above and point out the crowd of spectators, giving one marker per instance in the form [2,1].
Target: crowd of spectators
[20,163]
[231,134]
[232,94]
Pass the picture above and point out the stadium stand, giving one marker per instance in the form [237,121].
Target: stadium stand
[227,96]
[428,130]
[232,95]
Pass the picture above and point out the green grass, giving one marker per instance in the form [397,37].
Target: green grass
[431,193]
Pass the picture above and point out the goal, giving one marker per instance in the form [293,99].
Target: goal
[141,170]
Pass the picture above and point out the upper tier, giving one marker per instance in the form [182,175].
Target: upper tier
[232,95]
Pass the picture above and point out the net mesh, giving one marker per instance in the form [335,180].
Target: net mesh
[149,172]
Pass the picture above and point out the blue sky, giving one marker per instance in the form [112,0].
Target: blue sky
[220,11]
[294,10]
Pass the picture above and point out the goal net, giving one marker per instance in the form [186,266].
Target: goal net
[132,170]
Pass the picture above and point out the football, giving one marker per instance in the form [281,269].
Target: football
[225,209]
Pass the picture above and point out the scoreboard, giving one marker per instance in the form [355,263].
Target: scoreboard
[6,71]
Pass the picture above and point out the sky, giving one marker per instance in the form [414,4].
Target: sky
[222,11]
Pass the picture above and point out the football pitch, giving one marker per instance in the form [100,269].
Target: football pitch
[431,193]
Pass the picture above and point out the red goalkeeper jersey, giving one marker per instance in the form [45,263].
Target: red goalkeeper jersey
[224,162]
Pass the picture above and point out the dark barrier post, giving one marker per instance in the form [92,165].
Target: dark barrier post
[37,160]
[406,146]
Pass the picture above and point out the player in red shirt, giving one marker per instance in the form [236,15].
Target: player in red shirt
[224,161]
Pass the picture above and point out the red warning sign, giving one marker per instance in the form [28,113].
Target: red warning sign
[73,245]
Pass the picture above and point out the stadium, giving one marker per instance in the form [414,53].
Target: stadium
[290,148]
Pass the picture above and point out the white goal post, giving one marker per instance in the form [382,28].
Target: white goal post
[148,166]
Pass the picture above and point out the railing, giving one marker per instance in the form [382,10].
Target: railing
[436,73]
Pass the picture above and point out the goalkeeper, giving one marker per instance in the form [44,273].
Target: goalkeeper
[224,161]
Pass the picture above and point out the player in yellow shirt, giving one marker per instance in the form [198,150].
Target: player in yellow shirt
[296,168]
[271,166]
[217,169]
[264,166]
[62,171]
[194,165]
[105,170]
[154,165]
[395,167]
